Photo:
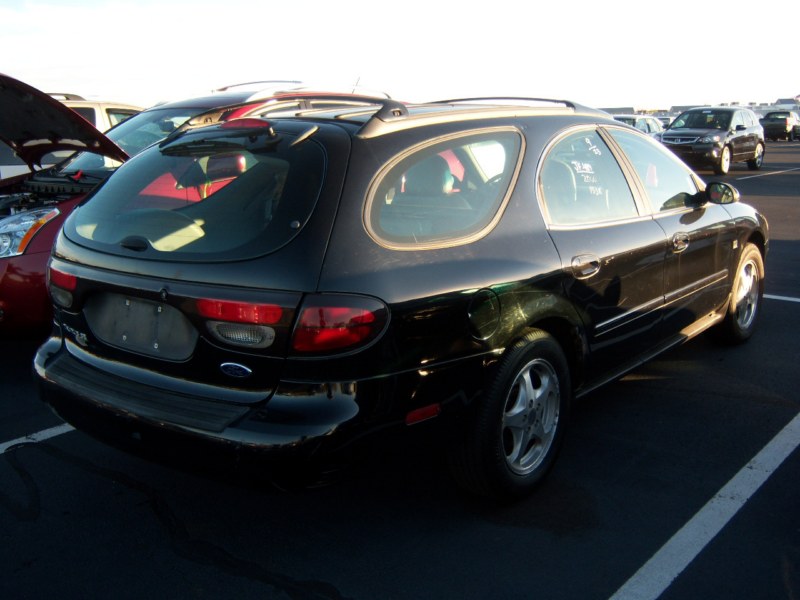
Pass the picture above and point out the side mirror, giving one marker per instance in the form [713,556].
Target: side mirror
[740,128]
[718,192]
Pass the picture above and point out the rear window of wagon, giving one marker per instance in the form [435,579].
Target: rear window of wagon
[205,198]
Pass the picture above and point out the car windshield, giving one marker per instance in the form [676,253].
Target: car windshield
[209,196]
[777,115]
[132,135]
[703,119]
[628,120]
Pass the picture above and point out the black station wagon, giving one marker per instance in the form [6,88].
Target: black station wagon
[283,287]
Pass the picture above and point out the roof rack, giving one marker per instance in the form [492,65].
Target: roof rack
[513,100]
[266,88]
[265,83]
[393,116]
[66,96]
[255,107]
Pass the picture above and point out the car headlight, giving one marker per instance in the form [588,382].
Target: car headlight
[18,230]
[710,139]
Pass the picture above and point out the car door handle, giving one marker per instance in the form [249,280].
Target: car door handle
[585,265]
[680,241]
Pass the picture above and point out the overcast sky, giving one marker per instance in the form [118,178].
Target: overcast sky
[602,54]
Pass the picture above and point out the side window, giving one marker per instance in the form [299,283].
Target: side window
[116,116]
[580,182]
[738,119]
[668,182]
[445,193]
[87,112]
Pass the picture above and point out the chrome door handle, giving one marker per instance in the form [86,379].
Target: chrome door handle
[680,242]
[585,265]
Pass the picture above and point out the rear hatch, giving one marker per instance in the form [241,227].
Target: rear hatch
[189,264]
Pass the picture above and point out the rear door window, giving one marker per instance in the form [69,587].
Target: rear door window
[582,183]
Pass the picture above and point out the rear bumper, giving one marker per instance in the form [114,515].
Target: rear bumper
[779,132]
[292,420]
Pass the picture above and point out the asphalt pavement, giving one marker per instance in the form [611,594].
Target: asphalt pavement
[678,481]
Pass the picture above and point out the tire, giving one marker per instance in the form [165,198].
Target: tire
[510,438]
[724,164]
[754,164]
[746,296]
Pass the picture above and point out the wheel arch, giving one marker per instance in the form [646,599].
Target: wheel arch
[572,340]
[759,239]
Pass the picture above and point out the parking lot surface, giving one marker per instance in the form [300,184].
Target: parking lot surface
[678,481]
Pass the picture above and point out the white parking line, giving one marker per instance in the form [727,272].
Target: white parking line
[649,582]
[768,174]
[784,298]
[39,436]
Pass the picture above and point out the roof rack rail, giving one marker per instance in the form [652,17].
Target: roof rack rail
[65,96]
[253,107]
[504,99]
[267,82]
[391,110]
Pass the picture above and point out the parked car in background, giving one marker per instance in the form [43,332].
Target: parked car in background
[281,287]
[100,113]
[645,123]
[781,125]
[33,206]
[716,137]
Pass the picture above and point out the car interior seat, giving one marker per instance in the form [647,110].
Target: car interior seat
[560,190]
[429,177]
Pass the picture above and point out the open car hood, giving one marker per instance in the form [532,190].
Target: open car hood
[35,124]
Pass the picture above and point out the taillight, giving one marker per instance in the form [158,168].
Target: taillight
[337,323]
[240,312]
[243,324]
[61,285]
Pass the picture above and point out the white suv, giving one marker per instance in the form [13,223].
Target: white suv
[101,114]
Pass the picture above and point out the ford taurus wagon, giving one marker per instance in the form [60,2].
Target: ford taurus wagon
[281,287]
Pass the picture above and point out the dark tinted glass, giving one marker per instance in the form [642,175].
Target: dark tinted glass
[205,199]
[445,193]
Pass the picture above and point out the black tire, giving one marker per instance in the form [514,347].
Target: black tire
[724,163]
[754,164]
[510,438]
[746,296]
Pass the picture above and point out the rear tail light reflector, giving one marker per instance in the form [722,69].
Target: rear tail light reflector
[61,285]
[240,312]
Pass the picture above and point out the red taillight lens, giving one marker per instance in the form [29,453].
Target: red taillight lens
[61,285]
[240,312]
[329,324]
[63,280]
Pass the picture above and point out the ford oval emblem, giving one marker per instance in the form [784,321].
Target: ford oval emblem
[235,370]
